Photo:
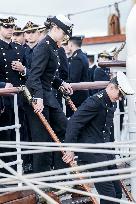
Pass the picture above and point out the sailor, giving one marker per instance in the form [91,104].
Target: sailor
[12,63]
[45,62]
[92,123]
[78,70]
[18,35]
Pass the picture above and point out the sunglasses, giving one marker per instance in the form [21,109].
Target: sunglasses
[8,26]
[30,31]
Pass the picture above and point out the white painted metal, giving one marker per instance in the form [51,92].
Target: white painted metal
[19,160]
[131,73]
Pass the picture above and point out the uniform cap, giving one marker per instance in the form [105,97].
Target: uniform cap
[105,54]
[62,22]
[18,29]
[30,26]
[42,28]
[123,84]
[7,21]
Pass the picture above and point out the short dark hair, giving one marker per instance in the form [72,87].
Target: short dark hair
[91,58]
[114,81]
[77,42]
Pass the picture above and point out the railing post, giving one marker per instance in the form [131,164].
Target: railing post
[18,147]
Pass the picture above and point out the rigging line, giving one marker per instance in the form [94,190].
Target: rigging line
[97,8]
[23,14]
[71,14]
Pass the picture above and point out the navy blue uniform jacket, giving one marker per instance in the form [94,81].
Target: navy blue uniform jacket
[45,62]
[78,72]
[92,123]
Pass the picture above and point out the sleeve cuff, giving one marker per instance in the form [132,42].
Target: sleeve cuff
[57,82]
[2,84]
[24,72]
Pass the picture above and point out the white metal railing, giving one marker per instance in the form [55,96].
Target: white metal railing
[18,145]
[121,135]
[17,126]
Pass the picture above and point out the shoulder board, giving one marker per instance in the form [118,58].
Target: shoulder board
[47,42]
[75,55]
[100,95]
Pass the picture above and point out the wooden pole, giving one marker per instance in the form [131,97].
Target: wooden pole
[56,139]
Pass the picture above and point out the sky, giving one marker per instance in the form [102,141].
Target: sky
[90,24]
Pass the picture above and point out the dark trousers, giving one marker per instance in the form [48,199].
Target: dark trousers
[58,121]
[121,107]
[109,188]
[58,96]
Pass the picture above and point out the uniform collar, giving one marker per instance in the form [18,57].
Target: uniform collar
[6,45]
[50,41]
[93,65]
[107,99]
[29,48]
[103,94]
[76,52]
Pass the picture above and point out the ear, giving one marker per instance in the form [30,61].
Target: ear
[111,86]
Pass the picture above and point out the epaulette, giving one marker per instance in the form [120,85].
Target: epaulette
[75,55]
[47,42]
[100,95]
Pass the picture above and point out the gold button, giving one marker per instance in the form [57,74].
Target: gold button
[6,78]
[6,72]
[3,53]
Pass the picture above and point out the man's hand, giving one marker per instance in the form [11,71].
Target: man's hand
[16,65]
[68,88]
[8,85]
[38,106]
[68,157]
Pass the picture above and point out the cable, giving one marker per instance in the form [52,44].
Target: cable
[71,14]
[23,14]
[95,9]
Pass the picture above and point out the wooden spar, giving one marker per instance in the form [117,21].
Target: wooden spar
[89,85]
[75,86]
[56,139]
[10,91]
[114,63]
